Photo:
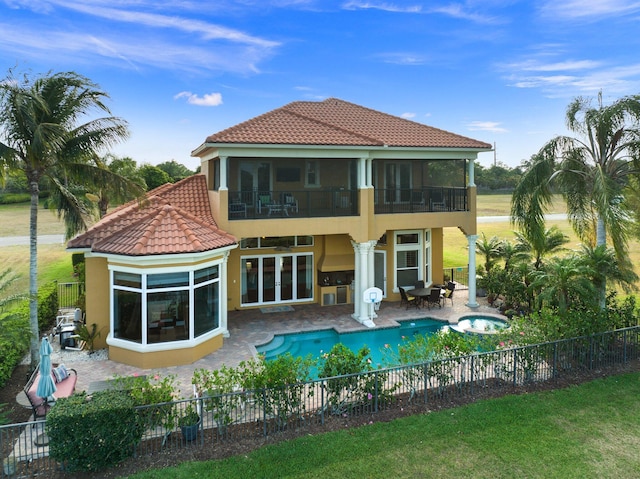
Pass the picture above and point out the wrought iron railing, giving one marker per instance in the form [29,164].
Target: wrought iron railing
[420,200]
[292,203]
[263,412]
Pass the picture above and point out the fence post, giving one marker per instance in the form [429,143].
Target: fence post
[376,391]
[471,379]
[322,386]
[555,359]
[624,346]
[515,367]
[264,411]
[426,379]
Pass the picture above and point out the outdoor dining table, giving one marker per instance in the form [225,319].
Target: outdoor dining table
[423,293]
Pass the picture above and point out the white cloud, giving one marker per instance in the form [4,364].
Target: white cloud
[134,49]
[384,6]
[491,126]
[403,58]
[588,9]
[408,115]
[209,99]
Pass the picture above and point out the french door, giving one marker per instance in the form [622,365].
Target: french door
[280,278]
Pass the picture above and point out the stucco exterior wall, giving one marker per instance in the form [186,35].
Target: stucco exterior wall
[97,298]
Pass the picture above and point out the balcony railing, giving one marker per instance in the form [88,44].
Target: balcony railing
[420,200]
[342,202]
[292,204]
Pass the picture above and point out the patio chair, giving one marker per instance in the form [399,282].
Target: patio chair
[434,298]
[419,284]
[437,201]
[408,301]
[264,200]
[290,202]
[448,292]
[237,209]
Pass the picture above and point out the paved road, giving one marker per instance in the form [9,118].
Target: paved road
[500,219]
[24,240]
[59,239]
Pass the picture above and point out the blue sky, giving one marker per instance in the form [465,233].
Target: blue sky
[500,71]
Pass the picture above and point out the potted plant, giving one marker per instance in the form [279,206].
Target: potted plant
[189,423]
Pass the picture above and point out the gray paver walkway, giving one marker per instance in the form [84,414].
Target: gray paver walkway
[248,328]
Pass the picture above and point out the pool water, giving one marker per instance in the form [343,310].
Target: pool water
[317,343]
[485,324]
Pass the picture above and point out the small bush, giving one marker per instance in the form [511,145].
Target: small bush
[13,198]
[91,433]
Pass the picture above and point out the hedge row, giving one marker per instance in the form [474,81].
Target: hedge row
[15,331]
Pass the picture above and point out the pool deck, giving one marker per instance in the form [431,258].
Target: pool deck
[251,327]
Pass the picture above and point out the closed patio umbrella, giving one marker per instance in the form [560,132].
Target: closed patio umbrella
[46,386]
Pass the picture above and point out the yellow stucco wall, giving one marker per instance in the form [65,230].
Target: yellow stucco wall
[97,294]
[163,359]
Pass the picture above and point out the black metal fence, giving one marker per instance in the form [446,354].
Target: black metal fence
[68,294]
[457,274]
[263,412]
[416,200]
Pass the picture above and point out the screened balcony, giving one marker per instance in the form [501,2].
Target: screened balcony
[421,200]
[292,203]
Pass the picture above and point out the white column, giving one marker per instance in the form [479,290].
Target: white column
[362,173]
[472,302]
[471,173]
[369,172]
[223,172]
[223,295]
[364,279]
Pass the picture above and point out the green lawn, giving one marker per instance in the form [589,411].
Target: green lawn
[579,432]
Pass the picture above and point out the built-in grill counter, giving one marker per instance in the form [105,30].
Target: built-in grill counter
[335,287]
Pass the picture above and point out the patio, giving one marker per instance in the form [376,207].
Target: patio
[250,327]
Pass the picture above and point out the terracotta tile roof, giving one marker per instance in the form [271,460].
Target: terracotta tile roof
[337,122]
[174,218]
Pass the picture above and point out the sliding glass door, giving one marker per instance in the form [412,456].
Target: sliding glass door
[280,278]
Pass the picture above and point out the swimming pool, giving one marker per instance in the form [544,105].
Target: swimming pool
[480,324]
[316,343]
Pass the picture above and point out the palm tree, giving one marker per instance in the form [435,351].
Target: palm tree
[512,254]
[539,246]
[490,250]
[603,265]
[561,281]
[42,136]
[590,171]
[105,194]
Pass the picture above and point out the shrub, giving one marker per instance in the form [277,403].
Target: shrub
[282,383]
[91,433]
[150,394]
[218,387]
[14,342]
[347,387]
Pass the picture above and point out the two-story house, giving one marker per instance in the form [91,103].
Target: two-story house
[314,202]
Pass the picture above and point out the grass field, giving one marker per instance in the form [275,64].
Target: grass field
[587,431]
[55,262]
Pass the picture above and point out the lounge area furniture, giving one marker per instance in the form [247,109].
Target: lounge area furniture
[434,298]
[290,203]
[237,210]
[448,292]
[65,379]
[408,300]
